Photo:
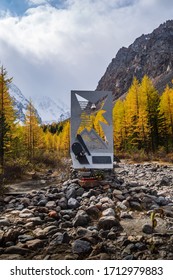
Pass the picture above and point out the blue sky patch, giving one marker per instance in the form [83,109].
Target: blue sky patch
[14,6]
[19,7]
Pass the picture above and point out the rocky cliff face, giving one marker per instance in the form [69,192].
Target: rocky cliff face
[150,54]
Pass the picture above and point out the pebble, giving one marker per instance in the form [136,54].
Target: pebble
[73,203]
[147,229]
[81,247]
[107,222]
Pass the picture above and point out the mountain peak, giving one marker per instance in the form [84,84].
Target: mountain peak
[47,110]
[150,54]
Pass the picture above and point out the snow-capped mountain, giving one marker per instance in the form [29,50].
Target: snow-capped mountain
[20,102]
[47,110]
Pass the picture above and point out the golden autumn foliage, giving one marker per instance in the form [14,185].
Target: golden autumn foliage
[33,134]
[137,118]
[7,119]
[143,120]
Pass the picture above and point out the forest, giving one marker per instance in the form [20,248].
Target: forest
[142,124]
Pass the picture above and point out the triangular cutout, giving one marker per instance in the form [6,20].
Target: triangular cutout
[82,101]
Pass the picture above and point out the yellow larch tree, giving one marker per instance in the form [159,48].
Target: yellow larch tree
[64,136]
[166,110]
[7,118]
[119,125]
[33,132]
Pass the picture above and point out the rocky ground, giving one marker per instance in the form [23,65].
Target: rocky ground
[49,218]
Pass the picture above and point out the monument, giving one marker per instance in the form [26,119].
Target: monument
[91,147]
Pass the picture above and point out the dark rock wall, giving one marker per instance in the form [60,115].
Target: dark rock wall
[150,54]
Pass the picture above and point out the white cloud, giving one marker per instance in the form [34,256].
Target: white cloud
[63,49]
[36,2]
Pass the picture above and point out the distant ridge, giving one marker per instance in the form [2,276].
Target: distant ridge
[47,110]
[150,54]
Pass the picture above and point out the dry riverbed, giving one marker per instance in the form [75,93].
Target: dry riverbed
[53,217]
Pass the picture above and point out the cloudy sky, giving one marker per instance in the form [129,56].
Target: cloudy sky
[51,47]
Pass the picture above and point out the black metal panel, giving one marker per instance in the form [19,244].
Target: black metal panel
[101,160]
[80,139]
[79,153]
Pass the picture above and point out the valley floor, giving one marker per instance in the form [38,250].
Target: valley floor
[53,217]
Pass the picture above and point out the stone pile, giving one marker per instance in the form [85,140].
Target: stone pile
[109,221]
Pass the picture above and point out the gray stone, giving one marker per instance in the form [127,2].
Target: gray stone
[125,215]
[16,250]
[88,194]
[81,219]
[161,201]
[29,225]
[40,233]
[25,201]
[20,207]
[35,220]
[108,212]
[34,244]
[69,212]
[120,197]
[134,205]
[147,229]
[51,204]
[129,257]
[133,184]
[60,238]
[9,243]
[12,234]
[42,202]
[26,215]
[81,247]
[62,203]
[128,249]
[71,193]
[140,246]
[117,192]
[81,231]
[165,181]
[121,205]
[93,211]
[66,224]
[107,222]
[112,235]
[50,229]
[7,199]
[4,222]
[80,191]
[73,203]
[23,238]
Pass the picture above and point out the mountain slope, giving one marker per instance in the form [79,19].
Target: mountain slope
[49,110]
[20,102]
[150,54]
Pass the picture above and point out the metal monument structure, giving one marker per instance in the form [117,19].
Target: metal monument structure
[91,149]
